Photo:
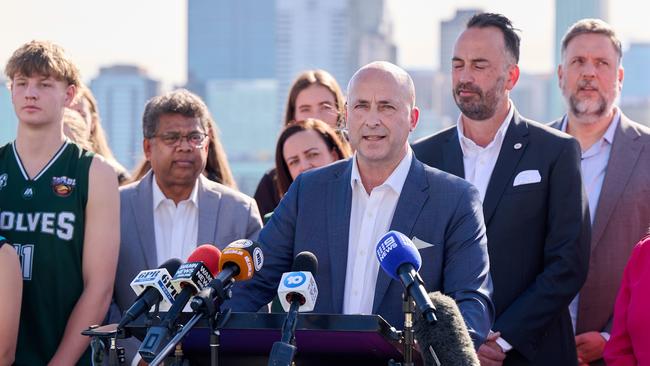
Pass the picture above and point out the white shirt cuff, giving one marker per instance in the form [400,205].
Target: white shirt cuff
[605,335]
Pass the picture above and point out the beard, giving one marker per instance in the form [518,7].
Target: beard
[481,106]
[587,107]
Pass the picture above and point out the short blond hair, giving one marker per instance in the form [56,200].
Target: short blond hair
[42,58]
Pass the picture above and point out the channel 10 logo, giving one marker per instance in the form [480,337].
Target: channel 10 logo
[295,279]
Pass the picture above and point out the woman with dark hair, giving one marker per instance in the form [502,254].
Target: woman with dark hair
[305,145]
[314,94]
[629,343]
[11,289]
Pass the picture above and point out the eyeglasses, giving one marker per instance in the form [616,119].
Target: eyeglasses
[195,138]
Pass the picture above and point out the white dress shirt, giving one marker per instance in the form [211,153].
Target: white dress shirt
[176,226]
[593,165]
[479,161]
[370,219]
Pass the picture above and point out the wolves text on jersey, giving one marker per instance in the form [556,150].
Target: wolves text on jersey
[60,224]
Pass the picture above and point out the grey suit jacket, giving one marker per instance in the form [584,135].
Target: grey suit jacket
[622,217]
[225,215]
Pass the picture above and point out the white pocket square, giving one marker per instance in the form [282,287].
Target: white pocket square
[421,244]
[527,177]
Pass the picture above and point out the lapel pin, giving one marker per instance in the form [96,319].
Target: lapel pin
[518,146]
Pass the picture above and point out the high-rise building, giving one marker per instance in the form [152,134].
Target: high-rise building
[566,14]
[245,112]
[637,76]
[229,40]
[8,120]
[122,92]
[243,55]
[338,36]
[449,31]
[530,96]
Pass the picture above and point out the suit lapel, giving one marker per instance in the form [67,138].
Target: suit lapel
[209,205]
[409,205]
[339,204]
[142,208]
[624,155]
[503,172]
[452,157]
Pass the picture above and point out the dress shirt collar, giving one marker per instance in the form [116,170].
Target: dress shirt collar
[609,133]
[159,196]
[468,146]
[396,179]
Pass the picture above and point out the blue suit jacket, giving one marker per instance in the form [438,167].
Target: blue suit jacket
[434,206]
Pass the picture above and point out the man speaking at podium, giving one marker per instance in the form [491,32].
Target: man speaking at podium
[339,212]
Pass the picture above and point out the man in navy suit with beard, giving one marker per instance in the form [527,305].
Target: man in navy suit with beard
[536,214]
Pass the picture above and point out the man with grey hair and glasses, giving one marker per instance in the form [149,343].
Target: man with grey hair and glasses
[174,207]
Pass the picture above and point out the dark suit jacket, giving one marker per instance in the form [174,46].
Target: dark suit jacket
[622,217]
[435,207]
[538,236]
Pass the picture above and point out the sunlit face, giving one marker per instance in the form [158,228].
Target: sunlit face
[40,100]
[306,150]
[379,118]
[181,163]
[481,72]
[590,76]
[316,101]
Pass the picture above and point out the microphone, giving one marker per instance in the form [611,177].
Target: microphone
[190,278]
[297,292]
[447,342]
[299,284]
[151,286]
[401,260]
[238,262]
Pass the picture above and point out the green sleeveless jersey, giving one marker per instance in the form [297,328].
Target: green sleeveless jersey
[43,217]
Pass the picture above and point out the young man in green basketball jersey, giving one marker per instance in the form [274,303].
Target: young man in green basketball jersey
[59,207]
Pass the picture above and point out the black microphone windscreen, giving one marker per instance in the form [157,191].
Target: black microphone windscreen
[171,265]
[305,262]
[448,337]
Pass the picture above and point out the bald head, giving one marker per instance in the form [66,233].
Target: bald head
[386,70]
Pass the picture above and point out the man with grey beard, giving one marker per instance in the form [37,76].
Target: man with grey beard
[536,214]
[615,169]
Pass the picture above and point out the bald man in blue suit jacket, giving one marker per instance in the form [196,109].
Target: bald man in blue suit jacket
[441,212]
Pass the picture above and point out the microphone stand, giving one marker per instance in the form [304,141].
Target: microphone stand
[408,307]
[207,303]
[284,351]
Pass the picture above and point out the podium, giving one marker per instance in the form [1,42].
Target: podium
[322,339]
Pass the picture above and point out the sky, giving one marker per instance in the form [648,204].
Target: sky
[152,33]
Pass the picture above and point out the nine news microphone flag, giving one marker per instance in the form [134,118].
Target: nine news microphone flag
[152,287]
[448,339]
[190,278]
[401,260]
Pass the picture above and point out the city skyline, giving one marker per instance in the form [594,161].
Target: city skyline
[157,39]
